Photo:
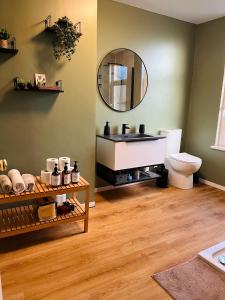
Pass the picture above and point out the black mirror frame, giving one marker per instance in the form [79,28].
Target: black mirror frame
[122,111]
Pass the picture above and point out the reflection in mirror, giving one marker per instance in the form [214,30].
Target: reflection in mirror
[122,79]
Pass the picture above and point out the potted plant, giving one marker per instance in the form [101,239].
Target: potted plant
[4,36]
[66,38]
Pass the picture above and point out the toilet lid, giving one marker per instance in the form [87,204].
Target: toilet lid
[185,157]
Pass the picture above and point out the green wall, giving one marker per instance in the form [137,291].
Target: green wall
[205,99]
[35,126]
[166,46]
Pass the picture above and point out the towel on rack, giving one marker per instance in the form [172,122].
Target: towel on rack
[17,181]
[29,182]
[5,184]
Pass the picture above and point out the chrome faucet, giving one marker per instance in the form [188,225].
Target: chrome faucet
[124,127]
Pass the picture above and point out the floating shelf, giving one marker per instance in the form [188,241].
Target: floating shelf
[46,89]
[112,176]
[143,177]
[52,28]
[9,51]
[49,28]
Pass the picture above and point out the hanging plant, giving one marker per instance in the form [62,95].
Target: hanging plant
[66,38]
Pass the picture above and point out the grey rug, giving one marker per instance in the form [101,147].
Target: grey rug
[194,280]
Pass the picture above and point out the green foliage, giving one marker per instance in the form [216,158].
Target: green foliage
[66,38]
[4,35]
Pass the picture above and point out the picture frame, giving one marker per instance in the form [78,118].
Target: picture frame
[40,79]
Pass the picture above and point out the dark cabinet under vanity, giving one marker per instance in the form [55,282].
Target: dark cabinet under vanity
[126,176]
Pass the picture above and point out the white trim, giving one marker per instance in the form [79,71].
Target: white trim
[220,114]
[215,185]
[220,148]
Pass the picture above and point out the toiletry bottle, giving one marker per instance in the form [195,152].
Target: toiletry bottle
[75,174]
[56,180]
[107,129]
[142,129]
[66,175]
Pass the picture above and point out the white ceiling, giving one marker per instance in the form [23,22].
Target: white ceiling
[193,11]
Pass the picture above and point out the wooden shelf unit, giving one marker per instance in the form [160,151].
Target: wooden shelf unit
[22,218]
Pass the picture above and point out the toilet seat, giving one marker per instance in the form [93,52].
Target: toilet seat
[185,157]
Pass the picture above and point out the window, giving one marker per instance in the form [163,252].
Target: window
[220,133]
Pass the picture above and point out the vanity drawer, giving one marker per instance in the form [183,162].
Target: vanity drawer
[125,155]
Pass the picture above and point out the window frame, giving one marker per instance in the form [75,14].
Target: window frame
[220,120]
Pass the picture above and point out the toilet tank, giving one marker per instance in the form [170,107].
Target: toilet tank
[173,140]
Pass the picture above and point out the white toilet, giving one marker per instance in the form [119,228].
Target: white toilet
[181,166]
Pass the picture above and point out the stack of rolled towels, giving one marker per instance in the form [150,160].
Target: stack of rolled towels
[16,183]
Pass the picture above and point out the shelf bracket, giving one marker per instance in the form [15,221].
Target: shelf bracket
[48,21]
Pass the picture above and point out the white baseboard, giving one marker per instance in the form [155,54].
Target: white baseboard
[215,185]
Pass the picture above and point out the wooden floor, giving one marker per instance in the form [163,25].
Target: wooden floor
[134,232]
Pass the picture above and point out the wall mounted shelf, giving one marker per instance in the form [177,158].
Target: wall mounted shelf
[9,51]
[121,177]
[46,89]
[51,28]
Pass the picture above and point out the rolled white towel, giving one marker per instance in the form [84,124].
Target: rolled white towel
[5,184]
[29,182]
[17,181]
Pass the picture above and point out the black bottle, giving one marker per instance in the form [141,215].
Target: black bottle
[75,174]
[56,179]
[142,129]
[107,129]
[66,175]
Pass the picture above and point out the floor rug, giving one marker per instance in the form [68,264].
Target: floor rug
[193,280]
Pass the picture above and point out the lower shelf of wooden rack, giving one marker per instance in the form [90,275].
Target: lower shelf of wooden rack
[21,219]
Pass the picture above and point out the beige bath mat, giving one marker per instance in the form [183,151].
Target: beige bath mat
[194,280]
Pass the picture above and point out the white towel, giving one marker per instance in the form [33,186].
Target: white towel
[5,184]
[17,181]
[29,182]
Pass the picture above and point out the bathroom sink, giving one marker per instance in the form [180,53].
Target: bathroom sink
[131,137]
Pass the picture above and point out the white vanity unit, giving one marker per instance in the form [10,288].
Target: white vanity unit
[125,152]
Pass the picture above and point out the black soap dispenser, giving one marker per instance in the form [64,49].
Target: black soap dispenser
[107,129]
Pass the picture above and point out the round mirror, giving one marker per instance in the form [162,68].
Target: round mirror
[122,79]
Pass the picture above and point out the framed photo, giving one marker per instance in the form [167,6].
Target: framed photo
[39,79]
